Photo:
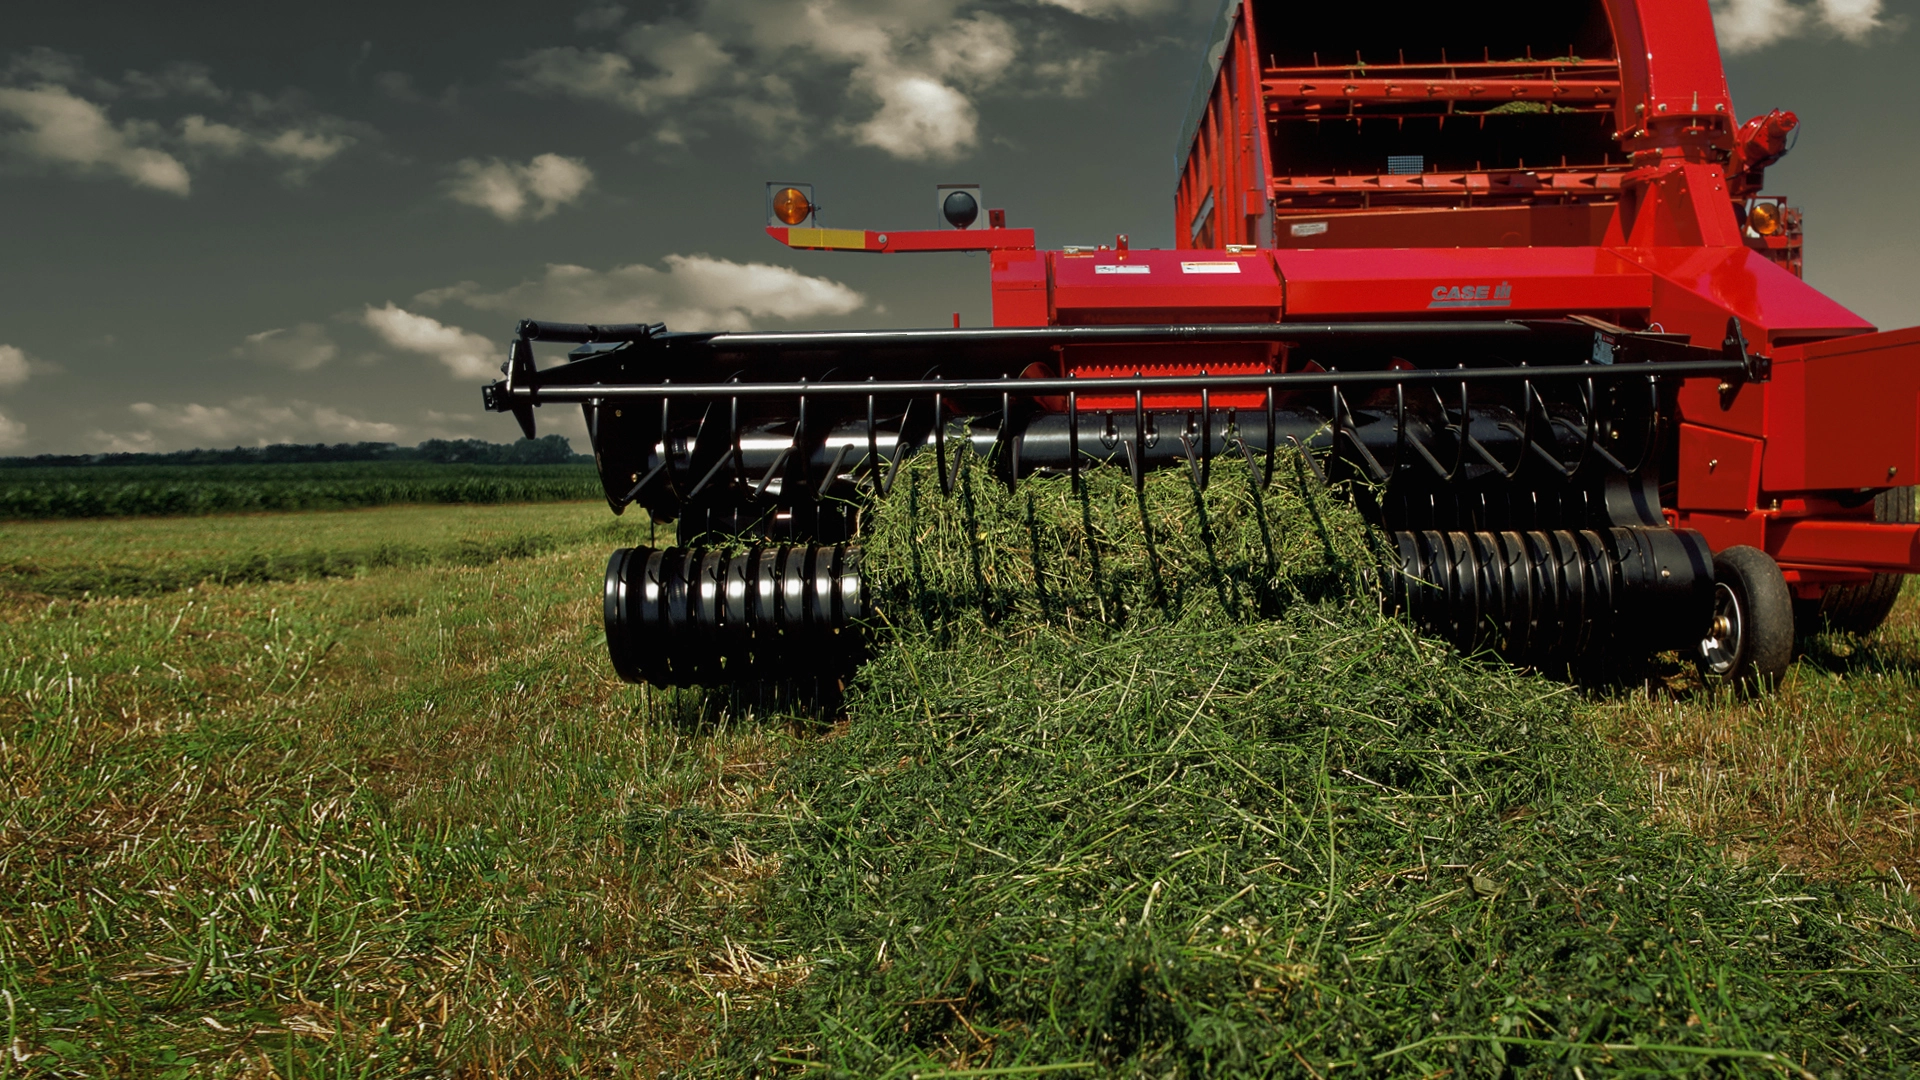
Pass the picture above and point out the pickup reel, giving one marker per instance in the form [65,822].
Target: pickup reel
[1512,467]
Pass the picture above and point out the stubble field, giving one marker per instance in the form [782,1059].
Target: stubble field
[1160,801]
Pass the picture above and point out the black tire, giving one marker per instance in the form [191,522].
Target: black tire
[1750,642]
[1860,609]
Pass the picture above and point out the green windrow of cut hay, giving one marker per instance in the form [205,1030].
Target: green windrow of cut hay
[1148,786]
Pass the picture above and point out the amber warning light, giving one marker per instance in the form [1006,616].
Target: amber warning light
[789,204]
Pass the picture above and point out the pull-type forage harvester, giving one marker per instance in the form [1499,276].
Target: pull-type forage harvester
[1508,264]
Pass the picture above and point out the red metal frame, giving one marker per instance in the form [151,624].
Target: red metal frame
[1652,233]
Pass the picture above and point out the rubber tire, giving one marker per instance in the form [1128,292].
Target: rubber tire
[1860,609]
[1765,605]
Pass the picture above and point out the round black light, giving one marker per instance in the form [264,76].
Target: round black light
[960,208]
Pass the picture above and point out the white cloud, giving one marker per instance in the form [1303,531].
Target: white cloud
[919,118]
[1855,20]
[511,192]
[1746,25]
[1074,75]
[467,356]
[1110,9]
[1749,25]
[300,348]
[302,148]
[52,114]
[248,420]
[14,366]
[694,292]
[683,60]
[13,433]
[980,48]
[54,127]
[204,134]
[910,72]
[306,146]
[43,65]
[922,114]
[175,80]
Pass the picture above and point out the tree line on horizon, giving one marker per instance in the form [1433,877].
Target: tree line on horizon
[547,450]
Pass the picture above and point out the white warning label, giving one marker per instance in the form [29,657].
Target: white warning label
[1222,267]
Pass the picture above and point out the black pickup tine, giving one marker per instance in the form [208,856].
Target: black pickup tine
[1273,441]
[873,443]
[1073,439]
[732,454]
[940,442]
[652,474]
[1005,438]
[1137,460]
[884,483]
[833,470]
[1318,473]
[1193,459]
[1206,435]
[773,470]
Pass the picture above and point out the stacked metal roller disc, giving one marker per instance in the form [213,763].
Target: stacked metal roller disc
[1551,597]
[694,617]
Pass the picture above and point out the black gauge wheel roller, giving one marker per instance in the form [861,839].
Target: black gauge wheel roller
[1750,639]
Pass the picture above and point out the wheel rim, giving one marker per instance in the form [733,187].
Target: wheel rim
[1720,649]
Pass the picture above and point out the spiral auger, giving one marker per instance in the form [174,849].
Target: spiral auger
[1512,467]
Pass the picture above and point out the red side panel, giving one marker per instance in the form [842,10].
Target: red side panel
[1455,282]
[1222,197]
[1845,414]
[1164,287]
[1718,471]
[1020,288]
[1697,288]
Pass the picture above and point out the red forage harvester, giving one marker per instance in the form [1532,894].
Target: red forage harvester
[1508,266]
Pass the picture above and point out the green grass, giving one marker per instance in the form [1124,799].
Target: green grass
[147,557]
[1821,775]
[108,491]
[362,824]
[1241,824]
[1191,810]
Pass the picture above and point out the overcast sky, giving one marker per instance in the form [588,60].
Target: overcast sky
[259,222]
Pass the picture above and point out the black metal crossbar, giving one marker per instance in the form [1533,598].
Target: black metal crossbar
[1627,355]
[1299,380]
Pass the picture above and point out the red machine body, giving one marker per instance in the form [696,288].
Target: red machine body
[1507,269]
[1634,209]
[1608,177]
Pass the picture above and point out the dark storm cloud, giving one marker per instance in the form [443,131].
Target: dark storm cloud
[244,223]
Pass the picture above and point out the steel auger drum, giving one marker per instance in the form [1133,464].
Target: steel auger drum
[1588,404]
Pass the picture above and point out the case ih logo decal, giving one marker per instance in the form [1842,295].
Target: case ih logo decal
[1468,296]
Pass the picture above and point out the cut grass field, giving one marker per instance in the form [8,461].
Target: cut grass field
[146,557]
[1821,776]
[403,821]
